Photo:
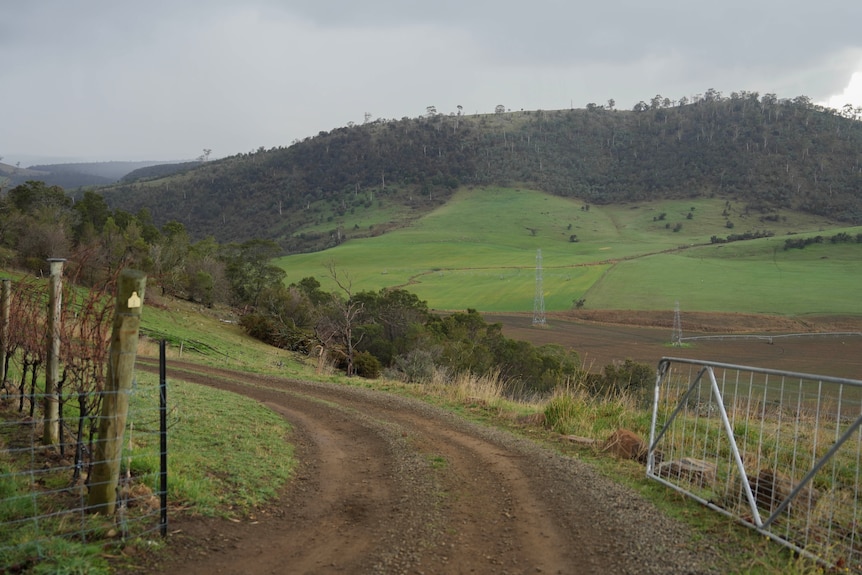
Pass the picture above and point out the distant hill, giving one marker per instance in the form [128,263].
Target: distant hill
[159,171]
[74,175]
[13,175]
[9,171]
[768,154]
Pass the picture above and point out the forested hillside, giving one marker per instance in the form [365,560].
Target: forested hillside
[765,153]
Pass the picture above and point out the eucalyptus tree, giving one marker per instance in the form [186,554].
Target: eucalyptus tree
[249,271]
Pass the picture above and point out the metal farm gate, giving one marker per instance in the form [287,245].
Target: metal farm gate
[776,450]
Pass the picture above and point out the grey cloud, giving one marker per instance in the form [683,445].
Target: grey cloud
[767,37]
[231,75]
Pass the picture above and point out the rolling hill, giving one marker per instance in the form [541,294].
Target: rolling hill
[481,250]
[765,156]
[72,176]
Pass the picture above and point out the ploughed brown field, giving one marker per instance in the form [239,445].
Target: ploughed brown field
[603,337]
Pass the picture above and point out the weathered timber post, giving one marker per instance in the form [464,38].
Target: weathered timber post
[5,306]
[51,429]
[115,400]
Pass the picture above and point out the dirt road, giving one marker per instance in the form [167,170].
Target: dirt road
[390,485]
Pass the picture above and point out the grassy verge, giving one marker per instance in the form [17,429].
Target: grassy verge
[227,453]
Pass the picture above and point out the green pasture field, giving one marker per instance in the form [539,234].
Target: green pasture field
[479,251]
[507,289]
[756,276]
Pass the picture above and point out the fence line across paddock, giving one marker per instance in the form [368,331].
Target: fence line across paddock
[770,337]
[778,451]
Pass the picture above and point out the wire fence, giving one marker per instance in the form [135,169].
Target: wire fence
[44,489]
[778,451]
[770,338]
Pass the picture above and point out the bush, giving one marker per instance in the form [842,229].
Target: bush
[629,376]
[366,365]
[417,365]
[258,326]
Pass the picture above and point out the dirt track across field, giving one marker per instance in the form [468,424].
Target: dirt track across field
[391,485]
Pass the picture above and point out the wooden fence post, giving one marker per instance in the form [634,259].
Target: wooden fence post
[51,429]
[115,402]
[5,307]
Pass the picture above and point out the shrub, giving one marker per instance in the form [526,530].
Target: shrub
[417,365]
[366,365]
[629,376]
[258,326]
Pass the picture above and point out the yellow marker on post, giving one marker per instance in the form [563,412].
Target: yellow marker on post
[134,301]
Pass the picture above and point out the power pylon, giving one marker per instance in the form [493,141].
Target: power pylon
[539,299]
[676,337]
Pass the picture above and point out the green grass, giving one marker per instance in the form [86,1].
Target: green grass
[57,557]
[225,451]
[757,276]
[479,251]
[212,337]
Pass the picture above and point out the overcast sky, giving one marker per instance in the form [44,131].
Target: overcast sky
[164,79]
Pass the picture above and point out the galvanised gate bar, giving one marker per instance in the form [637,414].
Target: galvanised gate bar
[776,450]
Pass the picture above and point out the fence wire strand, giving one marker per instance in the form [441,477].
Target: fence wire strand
[43,492]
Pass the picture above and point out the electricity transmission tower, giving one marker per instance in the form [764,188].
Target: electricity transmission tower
[676,337]
[539,299]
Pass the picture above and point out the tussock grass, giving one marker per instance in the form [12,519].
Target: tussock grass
[568,410]
[468,388]
[573,411]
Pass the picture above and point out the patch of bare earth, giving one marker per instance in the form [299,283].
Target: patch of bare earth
[707,322]
[391,485]
[823,345]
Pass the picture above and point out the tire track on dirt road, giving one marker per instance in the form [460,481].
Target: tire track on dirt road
[392,485]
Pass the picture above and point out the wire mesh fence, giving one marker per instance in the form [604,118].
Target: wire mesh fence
[44,489]
[81,455]
[778,451]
